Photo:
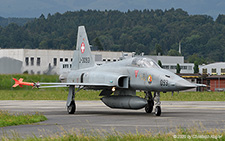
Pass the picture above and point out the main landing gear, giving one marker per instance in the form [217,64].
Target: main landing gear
[151,100]
[150,104]
[71,106]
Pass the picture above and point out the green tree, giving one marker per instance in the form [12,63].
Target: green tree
[98,44]
[160,63]
[178,69]
[196,58]
[173,52]
[196,69]
[158,49]
[148,31]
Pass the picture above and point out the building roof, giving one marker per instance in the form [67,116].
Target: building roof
[215,65]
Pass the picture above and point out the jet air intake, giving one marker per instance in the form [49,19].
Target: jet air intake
[124,102]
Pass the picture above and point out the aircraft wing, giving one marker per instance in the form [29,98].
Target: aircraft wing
[51,85]
[68,84]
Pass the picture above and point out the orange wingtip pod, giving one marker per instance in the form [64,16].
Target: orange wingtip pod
[21,83]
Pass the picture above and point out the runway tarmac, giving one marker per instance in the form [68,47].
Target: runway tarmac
[94,115]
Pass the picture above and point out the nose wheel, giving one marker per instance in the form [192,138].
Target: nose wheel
[157,103]
[157,110]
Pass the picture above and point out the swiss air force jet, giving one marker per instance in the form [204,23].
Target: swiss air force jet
[118,81]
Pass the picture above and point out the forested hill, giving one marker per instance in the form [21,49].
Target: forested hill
[20,21]
[148,31]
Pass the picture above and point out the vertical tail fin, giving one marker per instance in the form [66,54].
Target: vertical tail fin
[82,57]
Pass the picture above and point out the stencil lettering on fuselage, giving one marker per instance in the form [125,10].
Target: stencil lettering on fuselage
[84,60]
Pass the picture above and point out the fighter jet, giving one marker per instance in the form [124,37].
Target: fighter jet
[118,81]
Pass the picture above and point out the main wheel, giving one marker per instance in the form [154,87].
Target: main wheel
[72,108]
[149,106]
[157,110]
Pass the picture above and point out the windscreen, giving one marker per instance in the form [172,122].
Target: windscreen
[145,63]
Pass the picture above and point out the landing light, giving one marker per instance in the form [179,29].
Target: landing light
[113,89]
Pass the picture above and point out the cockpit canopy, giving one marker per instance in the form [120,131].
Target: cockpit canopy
[145,63]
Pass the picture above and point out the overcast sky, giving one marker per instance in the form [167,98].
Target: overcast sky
[34,8]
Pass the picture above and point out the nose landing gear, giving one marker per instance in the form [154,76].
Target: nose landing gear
[157,103]
[151,100]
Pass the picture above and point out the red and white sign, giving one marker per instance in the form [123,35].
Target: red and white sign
[82,47]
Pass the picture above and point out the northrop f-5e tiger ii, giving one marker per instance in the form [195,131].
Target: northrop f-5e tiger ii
[118,81]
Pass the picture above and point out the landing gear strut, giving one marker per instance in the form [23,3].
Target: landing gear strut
[157,103]
[150,104]
[71,106]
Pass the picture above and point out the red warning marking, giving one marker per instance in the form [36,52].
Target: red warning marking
[136,73]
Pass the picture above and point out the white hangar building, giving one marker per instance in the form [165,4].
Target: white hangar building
[170,63]
[213,69]
[42,61]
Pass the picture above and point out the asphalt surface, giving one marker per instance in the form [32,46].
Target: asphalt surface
[94,116]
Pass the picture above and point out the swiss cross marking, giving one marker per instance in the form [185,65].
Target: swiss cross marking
[82,47]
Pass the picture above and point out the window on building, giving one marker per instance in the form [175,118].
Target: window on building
[222,71]
[103,59]
[204,71]
[183,67]
[38,61]
[55,61]
[173,67]
[108,60]
[65,65]
[32,61]
[114,60]
[27,61]
[165,67]
[213,71]
[38,72]
[71,59]
[189,68]
[66,59]
[61,60]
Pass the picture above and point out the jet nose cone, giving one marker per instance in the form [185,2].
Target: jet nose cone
[184,85]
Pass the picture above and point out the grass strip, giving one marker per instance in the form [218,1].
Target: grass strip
[102,135]
[7,119]
[61,94]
